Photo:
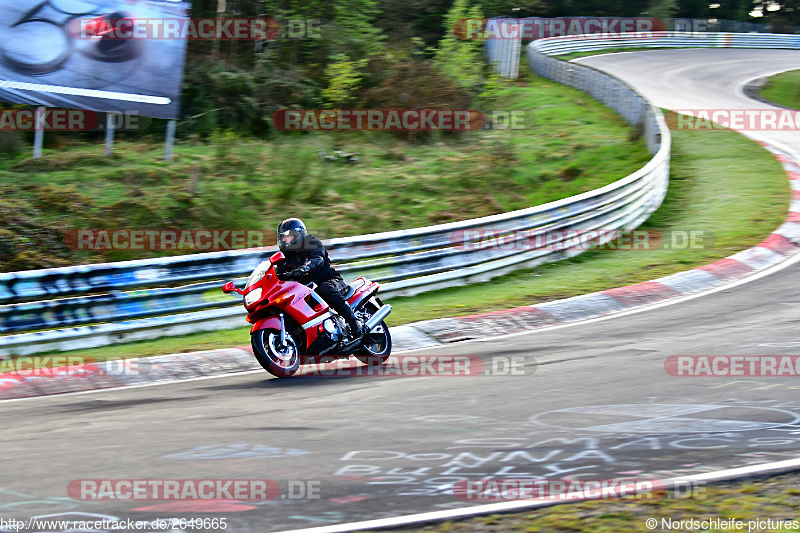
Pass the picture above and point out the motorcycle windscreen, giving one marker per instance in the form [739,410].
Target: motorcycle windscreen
[258,273]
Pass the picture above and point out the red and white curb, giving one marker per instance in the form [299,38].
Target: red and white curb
[777,248]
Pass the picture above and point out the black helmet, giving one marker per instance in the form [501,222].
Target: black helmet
[294,228]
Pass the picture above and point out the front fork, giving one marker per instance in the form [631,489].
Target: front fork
[283,331]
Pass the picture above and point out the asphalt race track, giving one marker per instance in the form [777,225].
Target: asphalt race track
[591,400]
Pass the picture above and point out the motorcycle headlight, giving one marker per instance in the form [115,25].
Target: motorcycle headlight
[252,297]
[330,326]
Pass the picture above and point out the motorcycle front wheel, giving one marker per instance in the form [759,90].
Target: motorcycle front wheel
[280,361]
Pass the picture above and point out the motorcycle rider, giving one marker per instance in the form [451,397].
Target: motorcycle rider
[306,261]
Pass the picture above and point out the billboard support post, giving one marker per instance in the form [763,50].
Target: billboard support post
[38,138]
[109,149]
[170,140]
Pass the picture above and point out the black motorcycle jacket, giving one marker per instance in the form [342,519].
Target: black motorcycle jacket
[313,257]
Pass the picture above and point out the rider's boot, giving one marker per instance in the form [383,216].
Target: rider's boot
[353,323]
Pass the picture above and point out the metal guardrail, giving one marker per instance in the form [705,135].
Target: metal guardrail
[556,46]
[97,305]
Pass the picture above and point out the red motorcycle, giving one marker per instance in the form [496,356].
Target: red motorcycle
[293,325]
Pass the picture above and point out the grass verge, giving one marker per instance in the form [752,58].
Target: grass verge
[783,89]
[721,183]
[776,499]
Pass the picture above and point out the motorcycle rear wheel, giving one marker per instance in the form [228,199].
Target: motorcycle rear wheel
[280,362]
[377,344]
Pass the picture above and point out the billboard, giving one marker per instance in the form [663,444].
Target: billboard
[58,53]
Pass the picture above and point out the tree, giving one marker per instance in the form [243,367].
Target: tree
[661,9]
[222,7]
[353,29]
[596,8]
[343,79]
[784,19]
[692,9]
[512,8]
[413,18]
[415,84]
[734,10]
[461,60]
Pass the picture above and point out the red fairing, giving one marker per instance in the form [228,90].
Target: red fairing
[271,322]
[366,288]
[274,322]
[295,299]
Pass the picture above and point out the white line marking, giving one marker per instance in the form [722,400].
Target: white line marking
[791,464]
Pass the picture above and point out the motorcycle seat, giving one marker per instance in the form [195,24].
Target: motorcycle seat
[350,291]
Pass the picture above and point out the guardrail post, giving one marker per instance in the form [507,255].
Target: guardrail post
[38,136]
[109,147]
[170,142]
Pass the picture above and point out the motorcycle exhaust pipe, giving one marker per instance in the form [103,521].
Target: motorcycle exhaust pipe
[375,319]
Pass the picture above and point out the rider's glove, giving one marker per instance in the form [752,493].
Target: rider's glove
[295,274]
[286,276]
